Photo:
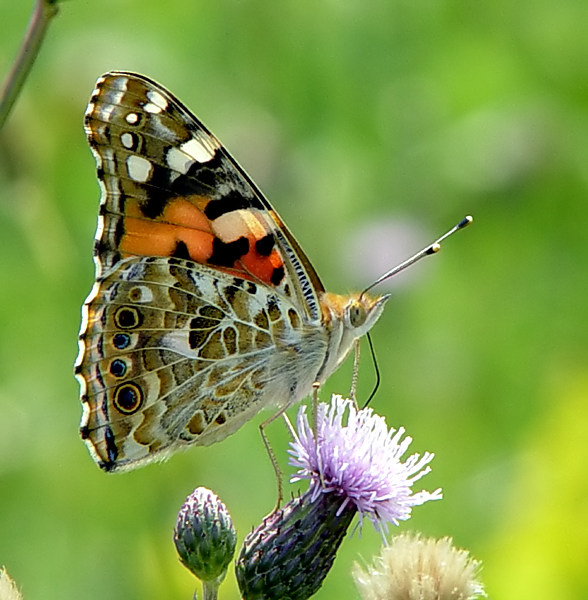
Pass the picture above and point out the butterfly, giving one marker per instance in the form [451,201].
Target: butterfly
[205,309]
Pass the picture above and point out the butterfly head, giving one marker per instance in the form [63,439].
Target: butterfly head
[357,312]
[346,318]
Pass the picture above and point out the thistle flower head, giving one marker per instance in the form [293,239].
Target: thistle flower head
[356,457]
[416,568]
[353,463]
[8,589]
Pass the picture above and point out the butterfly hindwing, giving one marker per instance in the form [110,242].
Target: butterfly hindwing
[174,356]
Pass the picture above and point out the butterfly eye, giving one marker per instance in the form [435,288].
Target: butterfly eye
[356,314]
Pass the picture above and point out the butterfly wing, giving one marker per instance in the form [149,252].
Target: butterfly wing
[197,277]
[171,189]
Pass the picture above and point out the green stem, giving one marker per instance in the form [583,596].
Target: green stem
[43,12]
[210,590]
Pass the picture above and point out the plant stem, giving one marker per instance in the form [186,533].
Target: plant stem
[210,590]
[43,12]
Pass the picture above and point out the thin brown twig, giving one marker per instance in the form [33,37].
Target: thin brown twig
[43,12]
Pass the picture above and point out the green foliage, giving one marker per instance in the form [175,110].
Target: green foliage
[349,115]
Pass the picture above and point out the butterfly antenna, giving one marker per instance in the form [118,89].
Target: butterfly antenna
[430,249]
[376,369]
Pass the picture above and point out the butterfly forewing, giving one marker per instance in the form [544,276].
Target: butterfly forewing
[171,189]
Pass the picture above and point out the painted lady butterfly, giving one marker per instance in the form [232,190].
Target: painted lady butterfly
[205,309]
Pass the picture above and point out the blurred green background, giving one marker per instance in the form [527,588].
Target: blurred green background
[372,127]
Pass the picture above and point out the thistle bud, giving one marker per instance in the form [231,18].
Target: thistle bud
[204,536]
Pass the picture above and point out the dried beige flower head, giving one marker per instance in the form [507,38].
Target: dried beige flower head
[8,589]
[416,568]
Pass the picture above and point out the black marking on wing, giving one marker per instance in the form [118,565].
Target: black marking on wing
[181,251]
[121,340]
[118,368]
[200,179]
[225,254]
[234,200]
[277,275]
[265,245]
[153,204]
[111,450]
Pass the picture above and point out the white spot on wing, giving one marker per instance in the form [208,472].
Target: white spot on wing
[114,97]
[118,82]
[90,109]
[139,168]
[199,150]
[157,103]
[126,139]
[98,157]
[132,118]
[243,222]
[178,161]
[181,158]
[103,112]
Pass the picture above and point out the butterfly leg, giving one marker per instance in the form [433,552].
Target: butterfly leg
[315,399]
[355,374]
[272,455]
[289,425]
[315,395]
[270,451]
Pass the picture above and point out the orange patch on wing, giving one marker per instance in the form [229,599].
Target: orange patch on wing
[187,212]
[182,221]
[261,267]
[248,224]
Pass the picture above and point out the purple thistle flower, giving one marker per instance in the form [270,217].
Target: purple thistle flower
[353,465]
[356,457]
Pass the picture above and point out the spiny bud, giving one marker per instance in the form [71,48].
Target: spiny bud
[290,553]
[204,536]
